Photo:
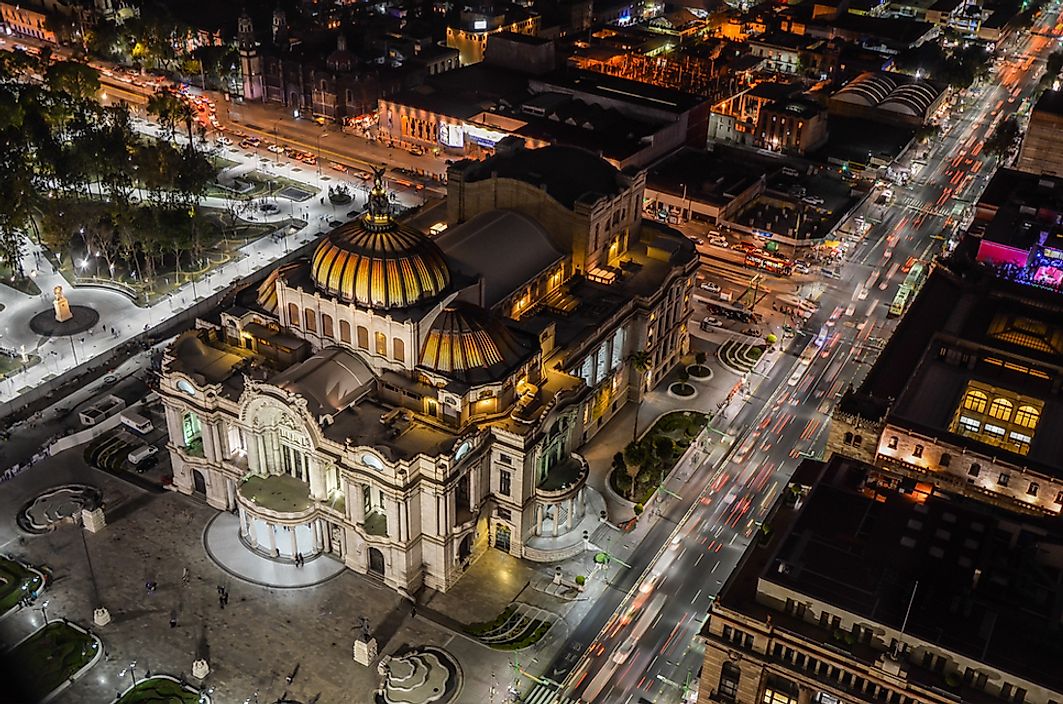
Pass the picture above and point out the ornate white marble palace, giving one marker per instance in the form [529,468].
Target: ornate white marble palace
[401,403]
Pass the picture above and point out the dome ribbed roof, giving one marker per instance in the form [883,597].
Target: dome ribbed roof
[376,263]
[466,342]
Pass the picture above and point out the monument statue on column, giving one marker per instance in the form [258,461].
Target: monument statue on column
[62,306]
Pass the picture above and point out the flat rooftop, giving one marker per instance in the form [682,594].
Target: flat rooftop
[968,578]
[711,177]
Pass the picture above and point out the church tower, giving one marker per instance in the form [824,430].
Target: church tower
[250,59]
[280,29]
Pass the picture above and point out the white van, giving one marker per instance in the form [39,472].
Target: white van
[137,422]
[142,453]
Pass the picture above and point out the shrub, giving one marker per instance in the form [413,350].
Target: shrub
[581,580]
[639,508]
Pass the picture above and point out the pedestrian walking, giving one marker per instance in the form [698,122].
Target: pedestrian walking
[221,602]
[185,576]
[225,598]
[173,620]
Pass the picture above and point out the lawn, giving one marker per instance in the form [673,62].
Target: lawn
[16,582]
[160,690]
[262,184]
[20,283]
[51,656]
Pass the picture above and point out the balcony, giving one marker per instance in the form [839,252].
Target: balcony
[564,479]
[376,523]
[279,497]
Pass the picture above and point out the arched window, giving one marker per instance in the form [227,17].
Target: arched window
[857,440]
[1027,416]
[848,438]
[398,349]
[1001,408]
[946,458]
[345,332]
[381,344]
[363,337]
[293,315]
[326,325]
[310,319]
[975,401]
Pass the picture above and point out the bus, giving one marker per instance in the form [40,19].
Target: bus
[909,288]
[769,263]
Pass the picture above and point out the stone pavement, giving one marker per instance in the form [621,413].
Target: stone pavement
[251,645]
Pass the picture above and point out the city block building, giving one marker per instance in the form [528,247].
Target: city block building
[860,592]
[403,403]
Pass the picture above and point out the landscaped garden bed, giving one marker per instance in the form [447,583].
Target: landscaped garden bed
[519,626]
[50,657]
[682,389]
[643,465]
[17,582]
[161,690]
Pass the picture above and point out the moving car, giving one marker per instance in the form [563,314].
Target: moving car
[710,286]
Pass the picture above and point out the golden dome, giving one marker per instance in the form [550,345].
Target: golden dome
[376,263]
[468,343]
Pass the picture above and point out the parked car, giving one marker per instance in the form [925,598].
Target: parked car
[710,286]
[142,453]
[712,321]
[717,241]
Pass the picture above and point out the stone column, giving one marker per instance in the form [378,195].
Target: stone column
[571,510]
[356,503]
[317,478]
[394,529]
[452,502]
[264,461]
[316,525]
[254,455]
[557,517]
[272,539]
[295,543]
[210,451]
[173,426]
[538,519]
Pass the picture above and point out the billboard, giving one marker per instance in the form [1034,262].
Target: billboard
[452,136]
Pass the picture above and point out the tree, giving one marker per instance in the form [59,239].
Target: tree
[640,363]
[1003,140]
[74,79]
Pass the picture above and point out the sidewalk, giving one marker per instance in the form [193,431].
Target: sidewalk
[117,311]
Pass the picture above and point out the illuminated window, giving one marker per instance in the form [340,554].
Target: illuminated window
[326,325]
[994,430]
[729,678]
[381,344]
[310,319]
[1027,416]
[363,337]
[293,314]
[969,424]
[398,349]
[345,332]
[975,401]
[1001,408]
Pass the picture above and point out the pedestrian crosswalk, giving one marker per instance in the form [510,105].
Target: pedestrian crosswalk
[546,694]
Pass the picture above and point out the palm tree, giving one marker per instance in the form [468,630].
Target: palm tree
[640,362]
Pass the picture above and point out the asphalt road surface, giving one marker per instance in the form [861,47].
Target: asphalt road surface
[637,645]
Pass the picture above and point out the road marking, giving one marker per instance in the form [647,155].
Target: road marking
[698,562]
[696,596]
[714,567]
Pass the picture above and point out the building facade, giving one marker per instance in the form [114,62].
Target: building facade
[403,404]
[469,35]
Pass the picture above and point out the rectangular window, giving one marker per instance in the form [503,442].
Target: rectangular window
[505,459]
[995,430]
[730,675]
[1003,480]
[505,482]
[974,469]
[1020,438]
[503,513]
[969,424]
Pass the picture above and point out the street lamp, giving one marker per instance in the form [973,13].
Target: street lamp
[44,611]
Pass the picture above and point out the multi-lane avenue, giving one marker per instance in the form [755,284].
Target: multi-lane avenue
[640,643]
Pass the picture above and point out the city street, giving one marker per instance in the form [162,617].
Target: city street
[786,416]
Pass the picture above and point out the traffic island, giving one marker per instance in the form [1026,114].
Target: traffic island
[645,463]
[739,357]
[51,658]
[58,505]
[81,319]
[162,689]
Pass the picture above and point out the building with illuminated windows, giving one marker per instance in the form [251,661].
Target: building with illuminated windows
[402,404]
[863,592]
[965,396]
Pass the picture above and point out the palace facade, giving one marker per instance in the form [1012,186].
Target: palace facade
[402,403]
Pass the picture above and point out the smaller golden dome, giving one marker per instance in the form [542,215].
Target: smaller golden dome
[466,342]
